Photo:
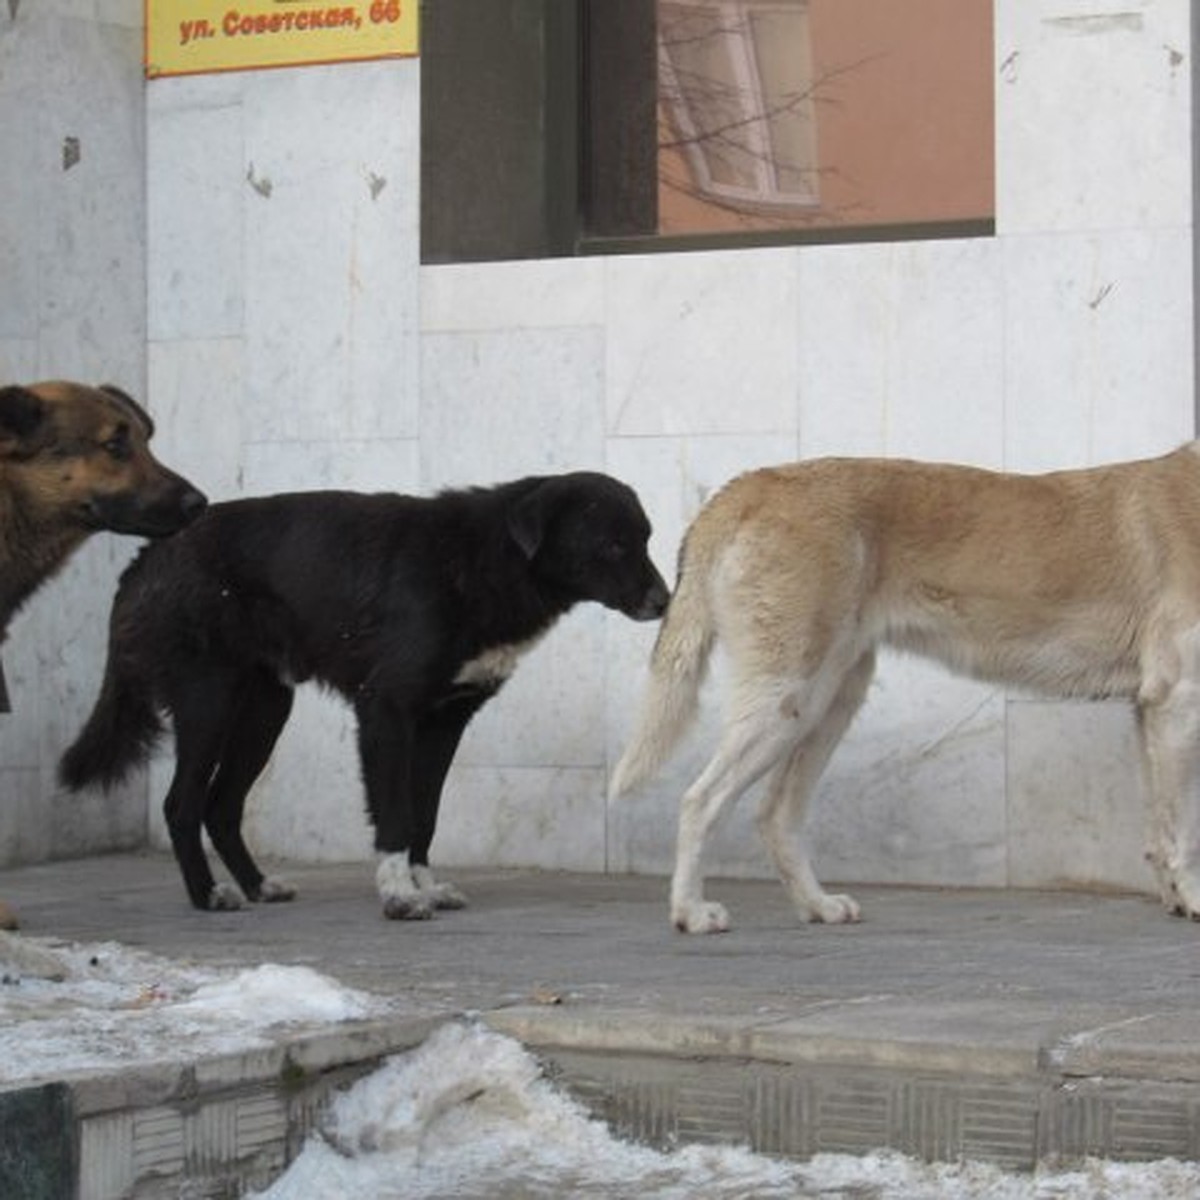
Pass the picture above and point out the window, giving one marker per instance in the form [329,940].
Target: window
[575,126]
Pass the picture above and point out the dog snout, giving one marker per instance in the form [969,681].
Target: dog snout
[654,602]
[191,504]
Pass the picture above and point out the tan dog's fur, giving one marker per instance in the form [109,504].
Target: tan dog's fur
[75,460]
[1073,584]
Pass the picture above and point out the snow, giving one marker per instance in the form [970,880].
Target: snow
[120,1007]
[468,1114]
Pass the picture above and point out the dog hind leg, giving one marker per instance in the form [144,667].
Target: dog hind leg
[200,711]
[262,711]
[754,740]
[784,808]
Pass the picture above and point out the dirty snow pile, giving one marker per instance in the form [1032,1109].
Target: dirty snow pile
[113,1006]
[470,1115]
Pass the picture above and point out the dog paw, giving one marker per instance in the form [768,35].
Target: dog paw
[445,895]
[273,889]
[440,895]
[707,916]
[1184,897]
[225,898]
[412,906]
[832,909]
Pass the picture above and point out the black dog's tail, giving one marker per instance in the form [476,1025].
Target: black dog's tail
[119,735]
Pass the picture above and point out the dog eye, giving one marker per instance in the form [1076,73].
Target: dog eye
[117,447]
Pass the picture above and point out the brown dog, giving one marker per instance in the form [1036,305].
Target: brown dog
[75,460]
[1072,584]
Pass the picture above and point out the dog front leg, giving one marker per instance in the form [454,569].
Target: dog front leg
[1170,732]
[385,735]
[437,737]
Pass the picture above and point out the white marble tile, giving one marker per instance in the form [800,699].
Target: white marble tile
[1077,811]
[362,466]
[496,406]
[129,13]
[330,216]
[546,817]
[846,324]
[194,280]
[916,791]
[195,395]
[1112,382]
[902,351]
[537,294]
[702,343]
[18,360]
[1092,115]
[943,387]
[29,168]
[88,91]
[92,303]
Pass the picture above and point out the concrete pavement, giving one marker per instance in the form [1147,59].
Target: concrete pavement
[1003,1025]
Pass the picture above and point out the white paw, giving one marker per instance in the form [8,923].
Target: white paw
[833,909]
[1184,899]
[273,889]
[703,916]
[446,895]
[225,897]
[411,907]
[440,895]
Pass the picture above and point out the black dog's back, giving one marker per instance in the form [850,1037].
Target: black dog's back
[414,609]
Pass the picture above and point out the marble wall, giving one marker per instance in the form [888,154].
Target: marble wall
[72,305]
[293,341]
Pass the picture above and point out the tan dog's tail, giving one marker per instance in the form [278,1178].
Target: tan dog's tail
[678,666]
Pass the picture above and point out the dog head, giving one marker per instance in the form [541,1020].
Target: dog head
[80,456]
[586,535]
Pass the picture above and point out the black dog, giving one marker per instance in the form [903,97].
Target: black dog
[415,610]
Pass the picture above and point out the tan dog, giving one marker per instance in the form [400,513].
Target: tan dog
[1073,584]
[75,460]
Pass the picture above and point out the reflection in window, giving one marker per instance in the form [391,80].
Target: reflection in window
[735,86]
[794,114]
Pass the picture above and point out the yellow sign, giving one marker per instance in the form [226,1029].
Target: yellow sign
[189,37]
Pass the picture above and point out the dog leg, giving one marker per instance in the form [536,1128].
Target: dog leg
[750,746]
[1170,730]
[440,895]
[403,898]
[262,711]
[385,739]
[781,818]
[438,735]
[199,713]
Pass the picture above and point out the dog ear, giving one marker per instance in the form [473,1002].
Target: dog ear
[22,418]
[529,517]
[135,408]
[527,523]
